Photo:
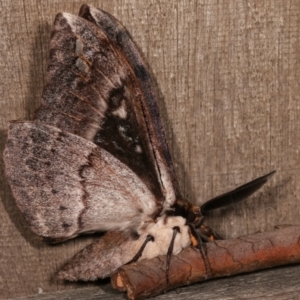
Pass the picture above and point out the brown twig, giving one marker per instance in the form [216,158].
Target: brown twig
[226,257]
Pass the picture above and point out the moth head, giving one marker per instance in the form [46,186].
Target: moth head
[191,212]
[194,215]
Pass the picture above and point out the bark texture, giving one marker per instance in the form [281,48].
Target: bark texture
[226,258]
[228,73]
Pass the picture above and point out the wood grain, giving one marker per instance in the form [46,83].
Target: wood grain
[228,74]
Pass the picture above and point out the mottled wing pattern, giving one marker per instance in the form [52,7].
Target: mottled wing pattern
[118,34]
[101,258]
[65,185]
[92,91]
[95,157]
[115,249]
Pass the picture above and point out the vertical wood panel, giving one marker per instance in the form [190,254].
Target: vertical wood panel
[228,74]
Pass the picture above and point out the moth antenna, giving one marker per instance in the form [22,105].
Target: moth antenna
[140,252]
[200,245]
[176,230]
[236,195]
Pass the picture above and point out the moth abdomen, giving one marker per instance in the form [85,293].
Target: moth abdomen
[162,232]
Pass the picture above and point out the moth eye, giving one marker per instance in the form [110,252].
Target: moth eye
[191,217]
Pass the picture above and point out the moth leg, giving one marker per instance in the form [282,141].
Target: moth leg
[200,245]
[176,230]
[208,234]
[140,252]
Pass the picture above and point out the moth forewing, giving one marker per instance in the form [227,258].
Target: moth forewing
[118,34]
[102,102]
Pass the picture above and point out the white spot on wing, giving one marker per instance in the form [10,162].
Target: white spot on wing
[82,66]
[79,47]
[121,111]
[71,20]
[122,129]
[138,149]
[93,12]
[166,181]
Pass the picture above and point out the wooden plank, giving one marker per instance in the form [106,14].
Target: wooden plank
[228,74]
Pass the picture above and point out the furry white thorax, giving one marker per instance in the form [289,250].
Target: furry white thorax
[162,232]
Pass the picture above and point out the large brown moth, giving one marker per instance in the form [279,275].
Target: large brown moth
[95,157]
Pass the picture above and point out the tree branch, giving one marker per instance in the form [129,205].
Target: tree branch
[226,257]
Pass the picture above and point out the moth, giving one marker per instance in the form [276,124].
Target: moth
[95,157]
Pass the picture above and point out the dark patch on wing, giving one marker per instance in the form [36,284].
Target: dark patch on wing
[38,137]
[123,40]
[66,225]
[104,104]
[125,139]
[36,164]
[141,72]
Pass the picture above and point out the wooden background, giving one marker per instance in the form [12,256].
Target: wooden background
[228,74]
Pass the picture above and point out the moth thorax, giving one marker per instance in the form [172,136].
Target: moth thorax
[162,232]
[194,215]
[184,208]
